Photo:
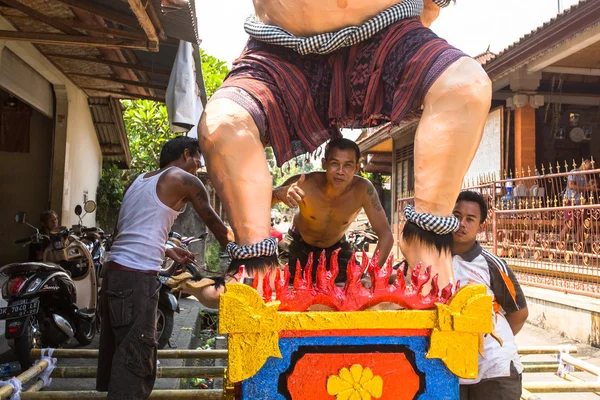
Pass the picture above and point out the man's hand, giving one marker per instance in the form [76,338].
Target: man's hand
[294,193]
[180,255]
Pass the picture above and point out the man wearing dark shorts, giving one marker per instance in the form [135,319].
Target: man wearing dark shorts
[500,366]
[328,202]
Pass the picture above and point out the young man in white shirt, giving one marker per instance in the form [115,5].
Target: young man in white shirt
[500,367]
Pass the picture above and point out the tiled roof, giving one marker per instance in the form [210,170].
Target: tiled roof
[565,25]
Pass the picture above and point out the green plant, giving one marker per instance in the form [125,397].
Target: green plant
[213,256]
[109,196]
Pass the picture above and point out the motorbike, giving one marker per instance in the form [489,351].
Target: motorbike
[53,301]
[361,238]
[168,303]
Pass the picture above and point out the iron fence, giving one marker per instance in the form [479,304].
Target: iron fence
[545,224]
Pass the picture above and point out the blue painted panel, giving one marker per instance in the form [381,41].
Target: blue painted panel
[440,383]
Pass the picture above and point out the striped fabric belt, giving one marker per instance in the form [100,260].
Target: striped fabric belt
[325,43]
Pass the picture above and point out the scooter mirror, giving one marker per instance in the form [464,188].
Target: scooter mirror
[78,210]
[21,217]
[89,206]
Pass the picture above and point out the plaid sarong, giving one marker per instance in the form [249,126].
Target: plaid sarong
[326,43]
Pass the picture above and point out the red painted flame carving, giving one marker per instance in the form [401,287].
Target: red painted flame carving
[353,296]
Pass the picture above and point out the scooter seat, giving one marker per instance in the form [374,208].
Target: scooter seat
[23,267]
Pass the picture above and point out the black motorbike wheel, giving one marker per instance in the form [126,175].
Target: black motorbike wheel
[165,320]
[85,333]
[26,342]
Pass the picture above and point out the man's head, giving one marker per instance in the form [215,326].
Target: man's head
[586,164]
[471,211]
[182,152]
[341,161]
[49,220]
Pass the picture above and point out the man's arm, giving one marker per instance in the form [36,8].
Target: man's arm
[507,292]
[195,192]
[379,222]
[517,319]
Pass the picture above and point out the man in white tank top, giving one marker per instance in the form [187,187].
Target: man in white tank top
[130,289]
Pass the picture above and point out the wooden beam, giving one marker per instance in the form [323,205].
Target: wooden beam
[128,95]
[102,11]
[70,40]
[97,60]
[145,22]
[109,31]
[73,23]
[53,22]
[118,80]
[155,20]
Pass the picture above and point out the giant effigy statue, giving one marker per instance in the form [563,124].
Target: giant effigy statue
[311,67]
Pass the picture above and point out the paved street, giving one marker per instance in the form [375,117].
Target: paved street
[182,338]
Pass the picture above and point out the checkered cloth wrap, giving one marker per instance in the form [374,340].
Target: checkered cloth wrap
[329,42]
[267,247]
[431,223]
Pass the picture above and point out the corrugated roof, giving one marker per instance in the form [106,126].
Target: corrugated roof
[101,47]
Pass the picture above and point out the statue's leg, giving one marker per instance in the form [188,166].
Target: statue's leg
[455,110]
[237,166]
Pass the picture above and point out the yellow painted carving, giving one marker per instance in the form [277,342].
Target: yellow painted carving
[461,323]
[356,383]
[253,327]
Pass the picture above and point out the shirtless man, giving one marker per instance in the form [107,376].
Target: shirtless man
[328,203]
[312,66]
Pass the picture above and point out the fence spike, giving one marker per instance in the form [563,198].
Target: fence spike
[536,172]
[528,171]
[550,168]
[574,165]
[567,165]
[517,172]
[591,198]
[557,168]
[505,174]
[522,173]
[510,174]
[592,162]
[540,202]
[556,201]
[581,199]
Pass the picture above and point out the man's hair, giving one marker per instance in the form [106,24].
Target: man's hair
[342,144]
[469,195]
[175,147]
[46,215]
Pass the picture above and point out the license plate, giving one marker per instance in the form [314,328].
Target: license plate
[21,308]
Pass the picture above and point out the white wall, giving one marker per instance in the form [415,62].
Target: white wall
[488,159]
[83,158]
[83,161]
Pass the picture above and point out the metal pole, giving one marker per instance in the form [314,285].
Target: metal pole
[197,394]
[161,372]
[540,367]
[525,350]
[558,387]
[162,354]
[527,395]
